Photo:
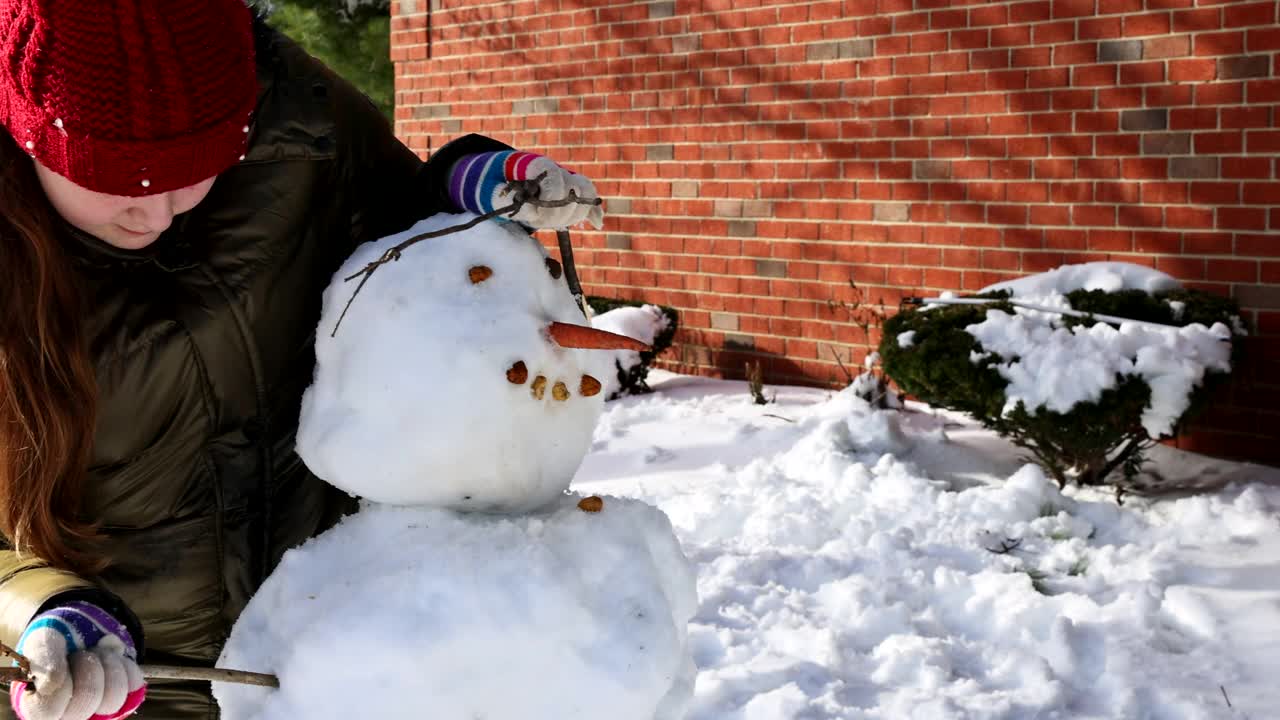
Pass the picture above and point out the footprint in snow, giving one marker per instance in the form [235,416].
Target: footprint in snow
[655,455]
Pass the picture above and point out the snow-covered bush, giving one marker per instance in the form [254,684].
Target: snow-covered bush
[1083,395]
[653,324]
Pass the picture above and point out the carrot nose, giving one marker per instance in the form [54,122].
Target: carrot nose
[589,338]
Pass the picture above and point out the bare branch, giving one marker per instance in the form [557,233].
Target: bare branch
[847,375]
[22,673]
[524,193]
[24,665]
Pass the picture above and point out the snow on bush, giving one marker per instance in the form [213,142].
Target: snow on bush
[650,324]
[1083,396]
[1105,276]
[1056,367]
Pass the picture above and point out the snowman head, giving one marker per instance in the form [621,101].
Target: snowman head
[459,377]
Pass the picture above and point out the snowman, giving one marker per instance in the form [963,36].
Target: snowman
[457,399]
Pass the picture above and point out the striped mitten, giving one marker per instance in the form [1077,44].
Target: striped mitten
[85,667]
[478,183]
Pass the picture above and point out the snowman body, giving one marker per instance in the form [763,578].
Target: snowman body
[469,585]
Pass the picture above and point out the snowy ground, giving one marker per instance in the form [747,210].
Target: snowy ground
[846,566]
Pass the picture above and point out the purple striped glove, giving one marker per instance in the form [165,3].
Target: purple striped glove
[479,183]
[84,664]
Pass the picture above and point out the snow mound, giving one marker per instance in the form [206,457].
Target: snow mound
[644,323]
[841,578]
[429,613]
[1106,276]
[412,402]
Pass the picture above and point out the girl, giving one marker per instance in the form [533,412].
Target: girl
[178,184]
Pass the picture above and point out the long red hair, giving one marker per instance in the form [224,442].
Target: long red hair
[47,388]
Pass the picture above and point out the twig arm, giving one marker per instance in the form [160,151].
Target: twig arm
[177,672]
[571,270]
[524,192]
[22,673]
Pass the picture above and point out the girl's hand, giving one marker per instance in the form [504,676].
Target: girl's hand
[479,183]
[84,665]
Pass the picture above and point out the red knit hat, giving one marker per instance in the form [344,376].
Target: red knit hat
[128,97]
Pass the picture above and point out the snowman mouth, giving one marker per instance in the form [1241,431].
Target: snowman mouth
[578,337]
[518,374]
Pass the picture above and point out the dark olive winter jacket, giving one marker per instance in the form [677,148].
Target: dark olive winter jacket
[203,346]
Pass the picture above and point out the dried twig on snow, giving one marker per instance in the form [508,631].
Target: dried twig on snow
[848,376]
[755,383]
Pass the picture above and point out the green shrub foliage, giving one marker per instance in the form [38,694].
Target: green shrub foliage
[352,38]
[633,379]
[1085,444]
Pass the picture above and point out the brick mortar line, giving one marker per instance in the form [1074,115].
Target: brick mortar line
[908,245]
[440,45]
[843,99]
[981,226]
[812,121]
[904,264]
[439,56]
[857,18]
[942,74]
[733,143]
[899,158]
[837,283]
[437,42]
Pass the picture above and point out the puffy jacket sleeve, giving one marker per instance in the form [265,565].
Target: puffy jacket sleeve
[388,187]
[28,587]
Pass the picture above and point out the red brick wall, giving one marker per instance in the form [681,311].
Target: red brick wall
[757,155]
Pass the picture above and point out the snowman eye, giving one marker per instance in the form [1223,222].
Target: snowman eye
[554,268]
[479,274]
